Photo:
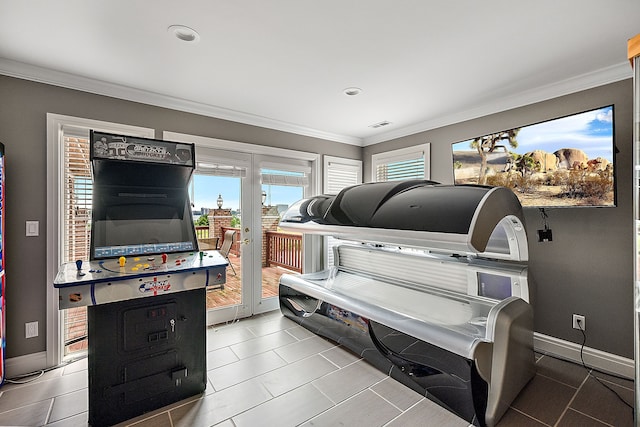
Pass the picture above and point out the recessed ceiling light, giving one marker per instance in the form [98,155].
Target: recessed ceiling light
[352,91]
[184,33]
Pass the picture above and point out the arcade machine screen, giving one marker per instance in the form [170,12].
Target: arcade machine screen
[143,221]
[140,196]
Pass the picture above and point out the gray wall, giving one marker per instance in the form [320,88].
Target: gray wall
[588,267]
[23,110]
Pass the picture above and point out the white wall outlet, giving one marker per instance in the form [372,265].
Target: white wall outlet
[579,322]
[31,329]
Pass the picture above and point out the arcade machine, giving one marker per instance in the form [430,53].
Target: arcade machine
[2,294]
[145,282]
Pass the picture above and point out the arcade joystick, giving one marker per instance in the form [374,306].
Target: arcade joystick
[122,260]
[164,258]
[79,267]
[201,255]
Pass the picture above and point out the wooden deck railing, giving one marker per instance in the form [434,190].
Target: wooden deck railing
[284,250]
[202,231]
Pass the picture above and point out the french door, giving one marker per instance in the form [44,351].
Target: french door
[243,196]
[281,182]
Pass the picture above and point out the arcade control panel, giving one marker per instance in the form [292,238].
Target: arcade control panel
[118,279]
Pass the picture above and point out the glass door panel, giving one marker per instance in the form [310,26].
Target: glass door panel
[220,190]
[241,196]
[280,251]
[213,223]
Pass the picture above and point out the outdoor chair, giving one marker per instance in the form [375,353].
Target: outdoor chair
[227,242]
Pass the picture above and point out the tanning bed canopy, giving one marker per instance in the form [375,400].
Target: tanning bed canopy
[140,196]
[468,219]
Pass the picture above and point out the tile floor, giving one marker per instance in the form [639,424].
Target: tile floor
[268,371]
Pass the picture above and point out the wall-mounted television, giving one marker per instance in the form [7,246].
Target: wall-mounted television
[564,162]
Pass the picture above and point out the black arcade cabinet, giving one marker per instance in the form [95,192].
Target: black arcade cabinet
[146,280]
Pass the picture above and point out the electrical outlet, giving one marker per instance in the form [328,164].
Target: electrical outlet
[579,322]
[31,329]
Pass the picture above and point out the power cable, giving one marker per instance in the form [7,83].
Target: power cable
[584,341]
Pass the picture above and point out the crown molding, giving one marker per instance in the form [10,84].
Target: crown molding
[575,84]
[71,81]
[585,81]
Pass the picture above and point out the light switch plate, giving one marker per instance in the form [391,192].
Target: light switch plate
[31,329]
[33,228]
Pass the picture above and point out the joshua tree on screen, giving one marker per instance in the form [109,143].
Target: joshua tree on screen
[490,143]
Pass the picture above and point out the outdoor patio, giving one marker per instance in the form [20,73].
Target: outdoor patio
[231,294]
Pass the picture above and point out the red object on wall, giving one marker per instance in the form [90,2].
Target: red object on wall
[2,290]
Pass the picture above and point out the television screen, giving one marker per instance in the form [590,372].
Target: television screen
[564,162]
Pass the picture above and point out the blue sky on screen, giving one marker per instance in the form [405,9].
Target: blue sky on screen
[591,131]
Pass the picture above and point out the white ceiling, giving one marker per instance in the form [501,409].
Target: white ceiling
[283,64]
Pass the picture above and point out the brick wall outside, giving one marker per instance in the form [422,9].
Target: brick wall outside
[218,218]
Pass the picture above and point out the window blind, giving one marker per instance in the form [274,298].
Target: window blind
[284,180]
[338,174]
[76,199]
[221,170]
[409,169]
[406,163]
[76,226]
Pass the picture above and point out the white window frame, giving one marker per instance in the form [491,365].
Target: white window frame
[330,162]
[56,124]
[403,154]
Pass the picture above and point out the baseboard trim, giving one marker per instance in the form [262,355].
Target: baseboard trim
[593,358]
[26,364]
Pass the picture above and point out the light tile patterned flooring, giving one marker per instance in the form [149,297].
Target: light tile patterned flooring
[268,371]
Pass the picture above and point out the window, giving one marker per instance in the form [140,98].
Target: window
[406,163]
[338,174]
[76,223]
[76,199]
[69,218]
[76,227]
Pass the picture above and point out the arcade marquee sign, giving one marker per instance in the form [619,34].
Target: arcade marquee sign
[119,147]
